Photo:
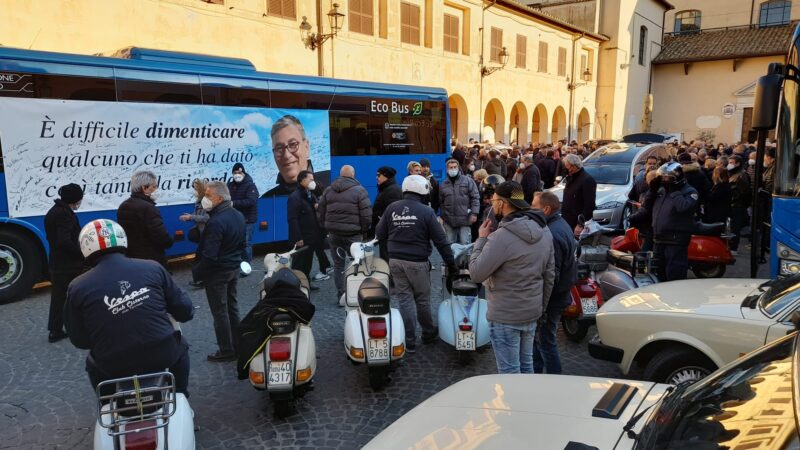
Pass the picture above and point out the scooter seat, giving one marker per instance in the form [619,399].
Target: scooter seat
[622,260]
[151,401]
[465,288]
[708,229]
[282,323]
[373,297]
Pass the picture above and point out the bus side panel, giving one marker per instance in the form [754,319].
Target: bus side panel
[367,167]
[785,229]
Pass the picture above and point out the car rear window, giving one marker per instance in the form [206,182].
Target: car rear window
[609,173]
[614,153]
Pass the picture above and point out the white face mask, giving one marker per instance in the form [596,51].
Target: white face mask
[312,185]
[238,177]
[522,165]
[472,167]
[154,195]
[452,172]
[751,162]
[206,203]
[731,167]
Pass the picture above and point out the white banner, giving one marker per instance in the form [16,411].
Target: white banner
[99,145]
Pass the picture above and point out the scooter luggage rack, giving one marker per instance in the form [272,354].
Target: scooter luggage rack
[162,409]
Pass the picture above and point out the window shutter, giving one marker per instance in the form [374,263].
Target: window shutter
[450,33]
[497,45]
[562,62]
[542,56]
[522,49]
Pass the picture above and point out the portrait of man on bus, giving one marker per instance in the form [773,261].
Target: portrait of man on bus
[290,148]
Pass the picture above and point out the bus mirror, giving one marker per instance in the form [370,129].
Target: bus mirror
[765,107]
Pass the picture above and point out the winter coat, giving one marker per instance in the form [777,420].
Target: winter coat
[718,206]
[148,238]
[62,229]
[516,263]
[409,226]
[302,217]
[222,244]
[673,214]
[579,196]
[698,180]
[344,208]
[741,194]
[547,170]
[433,197]
[118,310]
[531,182]
[244,196]
[565,247]
[458,199]
[388,193]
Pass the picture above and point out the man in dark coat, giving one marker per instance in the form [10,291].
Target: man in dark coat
[545,346]
[579,193]
[433,198]
[219,255]
[304,229]
[531,178]
[388,193]
[244,197]
[66,260]
[148,238]
[696,178]
[673,221]
[547,169]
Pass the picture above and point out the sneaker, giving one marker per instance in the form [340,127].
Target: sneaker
[56,336]
[319,276]
[329,270]
[411,349]
[196,284]
[218,356]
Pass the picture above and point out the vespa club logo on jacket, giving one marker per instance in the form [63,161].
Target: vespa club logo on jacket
[126,301]
[404,219]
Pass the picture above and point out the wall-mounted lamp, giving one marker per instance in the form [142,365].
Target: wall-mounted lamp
[586,76]
[314,40]
[486,71]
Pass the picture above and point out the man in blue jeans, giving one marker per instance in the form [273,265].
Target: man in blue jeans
[516,264]
[545,350]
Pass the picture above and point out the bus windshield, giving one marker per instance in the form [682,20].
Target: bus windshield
[787,169]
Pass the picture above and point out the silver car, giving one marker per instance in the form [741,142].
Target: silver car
[614,168]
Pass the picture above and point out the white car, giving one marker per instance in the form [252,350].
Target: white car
[681,331]
[751,404]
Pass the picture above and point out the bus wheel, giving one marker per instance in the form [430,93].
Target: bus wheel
[20,266]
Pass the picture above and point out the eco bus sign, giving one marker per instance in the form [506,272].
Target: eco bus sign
[12,82]
[395,107]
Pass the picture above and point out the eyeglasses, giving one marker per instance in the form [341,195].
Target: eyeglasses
[293,147]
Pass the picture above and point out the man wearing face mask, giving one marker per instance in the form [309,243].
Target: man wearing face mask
[580,192]
[218,256]
[148,238]
[66,260]
[244,197]
[304,229]
[673,220]
[531,177]
[459,202]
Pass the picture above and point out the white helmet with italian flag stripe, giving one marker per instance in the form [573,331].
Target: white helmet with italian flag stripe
[101,234]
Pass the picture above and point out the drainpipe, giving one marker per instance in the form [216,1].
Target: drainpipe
[575,39]
[320,31]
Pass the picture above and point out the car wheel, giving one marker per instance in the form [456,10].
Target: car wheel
[709,271]
[625,222]
[574,329]
[678,366]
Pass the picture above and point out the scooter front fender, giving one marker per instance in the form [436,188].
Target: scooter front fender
[710,249]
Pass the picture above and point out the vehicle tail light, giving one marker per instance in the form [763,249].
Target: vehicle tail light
[398,350]
[303,375]
[599,296]
[280,349]
[256,377]
[465,325]
[376,326]
[141,440]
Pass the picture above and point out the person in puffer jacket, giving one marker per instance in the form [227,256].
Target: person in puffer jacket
[346,213]
[516,263]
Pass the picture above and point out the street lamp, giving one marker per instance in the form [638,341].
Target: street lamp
[586,76]
[314,40]
[486,71]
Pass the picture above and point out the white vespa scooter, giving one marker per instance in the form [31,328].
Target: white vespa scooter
[373,331]
[462,316]
[286,364]
[143,412]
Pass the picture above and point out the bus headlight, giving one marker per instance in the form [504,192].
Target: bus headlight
[789,267]
[788,260]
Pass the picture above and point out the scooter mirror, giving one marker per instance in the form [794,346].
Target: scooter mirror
[245,268]
[356,251]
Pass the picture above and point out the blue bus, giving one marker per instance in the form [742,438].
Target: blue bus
[95,120]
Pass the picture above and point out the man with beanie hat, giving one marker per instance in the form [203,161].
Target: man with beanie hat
[388,193]
[66,260]
[516,263]
[244,196]
[426,172]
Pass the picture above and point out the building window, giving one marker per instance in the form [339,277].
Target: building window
[361,16]
[774,12]
[562,61]
[643,46]
[451,33]
[409,23]
[543,57]
[687,21]
[497,45]
[281,8]
[522,50]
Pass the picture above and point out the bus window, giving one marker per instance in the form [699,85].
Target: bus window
[229,96]
[299,100]
[347,103]
[56,86]
[158,92]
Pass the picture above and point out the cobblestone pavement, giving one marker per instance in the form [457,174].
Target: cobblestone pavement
[46,401]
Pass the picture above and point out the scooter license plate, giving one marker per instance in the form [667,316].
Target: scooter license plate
[280,373]
[589,306]
[378,349]
[465,340]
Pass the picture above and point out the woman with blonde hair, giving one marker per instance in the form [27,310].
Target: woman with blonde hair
[199,216]
[718,207]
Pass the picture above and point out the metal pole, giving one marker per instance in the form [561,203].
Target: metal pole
[755,220]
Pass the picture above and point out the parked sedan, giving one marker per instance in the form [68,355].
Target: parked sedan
[681,331]
[749,404]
